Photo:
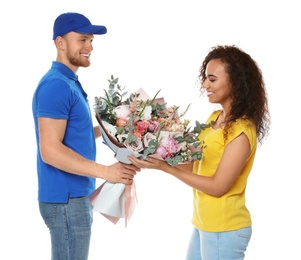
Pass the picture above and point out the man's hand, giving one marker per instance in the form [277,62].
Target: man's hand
[121,172]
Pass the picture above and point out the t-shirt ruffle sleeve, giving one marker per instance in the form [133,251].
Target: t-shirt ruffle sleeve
[243,126]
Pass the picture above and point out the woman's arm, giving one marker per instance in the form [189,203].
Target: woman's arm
[233,160]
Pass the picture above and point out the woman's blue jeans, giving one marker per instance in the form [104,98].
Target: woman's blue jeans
[230,245]
[70,228]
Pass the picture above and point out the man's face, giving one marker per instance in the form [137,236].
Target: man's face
[78,48]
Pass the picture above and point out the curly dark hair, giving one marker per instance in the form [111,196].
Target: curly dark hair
[249,96]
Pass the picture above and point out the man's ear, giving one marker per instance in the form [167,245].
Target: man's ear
[59,42]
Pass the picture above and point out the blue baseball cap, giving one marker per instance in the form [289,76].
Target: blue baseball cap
[75,22]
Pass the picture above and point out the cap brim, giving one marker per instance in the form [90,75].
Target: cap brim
[95,29]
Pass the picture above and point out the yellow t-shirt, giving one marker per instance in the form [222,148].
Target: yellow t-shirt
[229,211]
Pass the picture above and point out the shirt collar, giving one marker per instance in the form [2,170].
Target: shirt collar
[64,70]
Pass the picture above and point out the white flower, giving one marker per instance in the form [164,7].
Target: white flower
[177,128]
[121,138]
[146,115]
[183,146]
[110,128]
[147,138]
[122,111]
[135,146]
[163,137]
[176,134]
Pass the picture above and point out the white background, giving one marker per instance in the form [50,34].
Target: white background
[154,45]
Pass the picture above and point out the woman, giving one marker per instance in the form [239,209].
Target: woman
[222,222]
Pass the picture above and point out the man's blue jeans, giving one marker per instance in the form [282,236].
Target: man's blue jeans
[229,245]
[70,228]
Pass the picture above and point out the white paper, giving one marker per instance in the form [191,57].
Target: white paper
[110,200]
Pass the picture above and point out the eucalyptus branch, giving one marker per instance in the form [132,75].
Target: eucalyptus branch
[185,111]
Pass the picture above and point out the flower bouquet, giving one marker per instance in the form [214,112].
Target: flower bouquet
[142,127]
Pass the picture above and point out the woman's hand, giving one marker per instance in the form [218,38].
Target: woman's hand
[149,163]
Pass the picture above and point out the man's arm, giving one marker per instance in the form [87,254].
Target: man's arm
[97,132]
[55,153]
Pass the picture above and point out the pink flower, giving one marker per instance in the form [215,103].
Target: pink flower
[172,146]
[142,127]
[161,151]
[152,125]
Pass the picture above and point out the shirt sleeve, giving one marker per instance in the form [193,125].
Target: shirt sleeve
[243,126]
[54,99]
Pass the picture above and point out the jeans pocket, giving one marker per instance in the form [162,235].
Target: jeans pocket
[244,232]
[48,212]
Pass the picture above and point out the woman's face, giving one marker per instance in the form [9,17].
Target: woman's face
[216,84]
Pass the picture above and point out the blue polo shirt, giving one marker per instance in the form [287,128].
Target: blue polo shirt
[59,95]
